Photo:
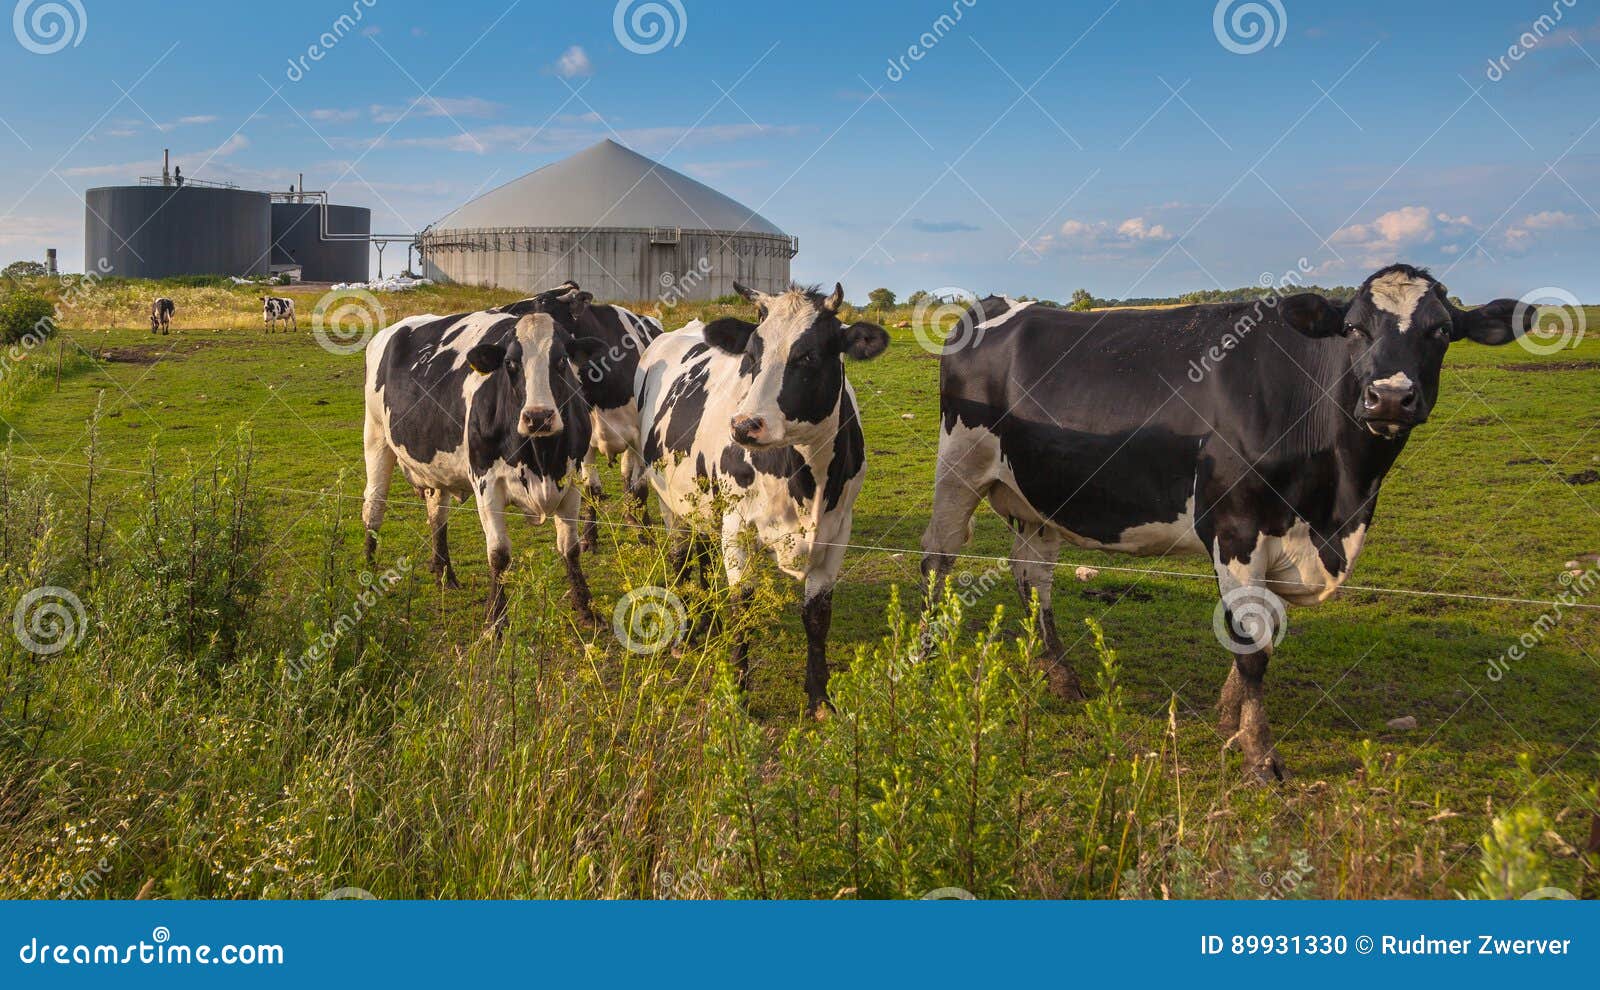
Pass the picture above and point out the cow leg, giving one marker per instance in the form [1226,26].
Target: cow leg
[636,509]
[1252,624]
[438,502]
[380,471]
[492,514]
[817,615]
[591,511]
[955,499]
[569,543]
[733,564]
[1034,552]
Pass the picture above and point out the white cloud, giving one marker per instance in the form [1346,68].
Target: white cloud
[1102,238]
[435,106]
[1522,233]
[1394,235]
[199,118]
[574,62]
[333,116]
[556,139]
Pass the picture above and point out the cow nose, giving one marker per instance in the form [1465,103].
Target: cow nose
[538,420]
[1391,402]
[749,429]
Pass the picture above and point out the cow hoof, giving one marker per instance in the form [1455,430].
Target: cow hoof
[1062,680]
[586,619]
[588,545]
[451,583]
[1266,770]
[819,711]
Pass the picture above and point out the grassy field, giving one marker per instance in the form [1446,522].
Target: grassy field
[169,751]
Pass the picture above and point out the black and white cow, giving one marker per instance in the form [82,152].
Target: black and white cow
[275,308]
[161,315]
[763,412]
[1255,434]
[614,338]
[480,404]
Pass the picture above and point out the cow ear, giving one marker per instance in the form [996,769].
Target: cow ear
[1312,315]
[486,358]
[586,349]
[749,293]
[1496,323]
[833,302]
[865,341]
[729,334]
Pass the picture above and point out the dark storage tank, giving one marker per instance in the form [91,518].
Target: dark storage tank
[297,239]
[160,231]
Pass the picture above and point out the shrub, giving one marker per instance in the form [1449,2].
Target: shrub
[881,298]
[23,314]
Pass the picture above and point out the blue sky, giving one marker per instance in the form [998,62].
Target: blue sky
[1032,147]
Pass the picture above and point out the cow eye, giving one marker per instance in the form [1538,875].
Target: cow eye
[1440,332]
[1351,330]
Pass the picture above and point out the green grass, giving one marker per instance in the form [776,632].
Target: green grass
[1472,509]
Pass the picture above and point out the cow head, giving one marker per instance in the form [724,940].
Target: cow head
[539,377]
[793,366]
[1397,329]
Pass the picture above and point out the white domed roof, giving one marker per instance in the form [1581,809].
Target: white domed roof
[606,185]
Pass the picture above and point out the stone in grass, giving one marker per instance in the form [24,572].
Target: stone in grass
[1086,573]
[1404,723]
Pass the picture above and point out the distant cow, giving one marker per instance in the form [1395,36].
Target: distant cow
[275,308]
[486,405]
[763,413]
[1255,434]
[161,315]
[616,337]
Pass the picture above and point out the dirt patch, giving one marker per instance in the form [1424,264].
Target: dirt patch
[134,355]
[1112,594]
[1553,366]
[1588,477]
